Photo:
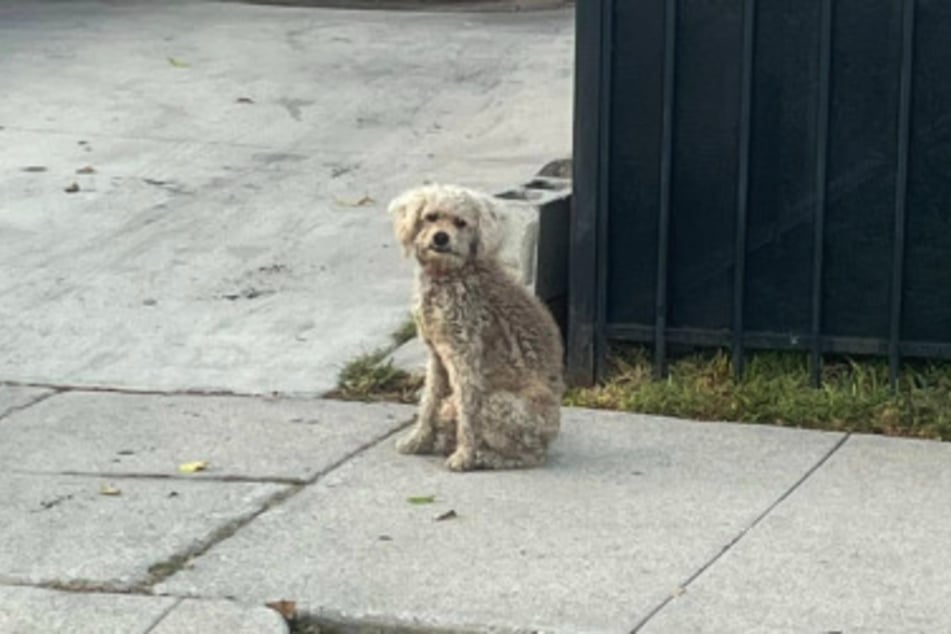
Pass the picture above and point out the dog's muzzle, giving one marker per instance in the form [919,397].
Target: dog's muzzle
[440,242]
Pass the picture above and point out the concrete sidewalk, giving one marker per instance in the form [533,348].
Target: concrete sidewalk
[636,524]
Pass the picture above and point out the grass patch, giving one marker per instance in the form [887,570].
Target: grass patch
[373,377]
[855,394]
[405,332]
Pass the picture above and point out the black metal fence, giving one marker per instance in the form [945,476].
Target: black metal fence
[762,174]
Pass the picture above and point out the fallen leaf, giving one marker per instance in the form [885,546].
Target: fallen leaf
[680,591]
[363,201]
[34,168]
[385,538]
[108,489]
[192,467]
[71,188]
[177,63]
[448,515]
[421,499]
[244,100]
[89,169]
[287,609]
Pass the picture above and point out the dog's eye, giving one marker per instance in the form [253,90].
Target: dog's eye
[431,217]
[459,222]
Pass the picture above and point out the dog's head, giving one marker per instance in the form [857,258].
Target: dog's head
[445,226]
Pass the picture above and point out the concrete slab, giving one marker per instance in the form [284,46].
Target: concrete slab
[860,547]
[26,610]
[14,397]
[201,617]
[628,507]
[232,233]
[63,529]
[152,435]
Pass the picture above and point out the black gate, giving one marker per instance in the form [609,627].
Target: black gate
[762,174]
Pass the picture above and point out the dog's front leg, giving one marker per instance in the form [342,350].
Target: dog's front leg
[465,377]
[422,438]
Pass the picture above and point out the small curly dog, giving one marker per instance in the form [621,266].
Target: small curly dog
[494,379]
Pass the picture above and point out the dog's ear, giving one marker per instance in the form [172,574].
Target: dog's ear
[491,227]
[405,210]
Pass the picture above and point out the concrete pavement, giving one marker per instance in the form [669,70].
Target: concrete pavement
[637,523]
[229,233]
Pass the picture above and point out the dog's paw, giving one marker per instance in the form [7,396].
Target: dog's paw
[415,443]
[461,460]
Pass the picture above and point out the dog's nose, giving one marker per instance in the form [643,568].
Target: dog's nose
[441,239]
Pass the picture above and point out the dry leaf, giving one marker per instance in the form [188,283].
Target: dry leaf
[192,467]
[448,515]
[680,591]
[177,63]
[89,169]
[421,499]
[72,188]
[363,201]
[108,489]
[287,609]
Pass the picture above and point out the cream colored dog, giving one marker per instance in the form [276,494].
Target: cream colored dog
[494,380]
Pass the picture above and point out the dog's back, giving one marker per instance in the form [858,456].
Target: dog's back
[522,336]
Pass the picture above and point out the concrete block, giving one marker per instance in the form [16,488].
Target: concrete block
[627,508]
[196,616]
[536,248]
[860,547]
[147,434]
[63,529]
[13,397]
[25,610]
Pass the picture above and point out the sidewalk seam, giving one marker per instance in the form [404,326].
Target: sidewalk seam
[39,399]
[167,568]
[733,542]
[161,617]
[126,475]
[61,388]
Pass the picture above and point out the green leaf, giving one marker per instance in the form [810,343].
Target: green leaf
[177,63]
[421,499]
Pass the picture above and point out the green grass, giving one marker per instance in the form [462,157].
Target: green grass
[405,332]
[855,394]
[373,377]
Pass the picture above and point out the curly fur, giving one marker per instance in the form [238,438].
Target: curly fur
[494,378]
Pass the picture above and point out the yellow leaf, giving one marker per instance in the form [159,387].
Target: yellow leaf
[108,489]
[192,467]
[177,63]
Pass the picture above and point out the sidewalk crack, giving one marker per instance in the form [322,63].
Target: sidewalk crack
[19,408]
[733,542]
[161,617]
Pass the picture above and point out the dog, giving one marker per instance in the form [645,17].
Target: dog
[494,379]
